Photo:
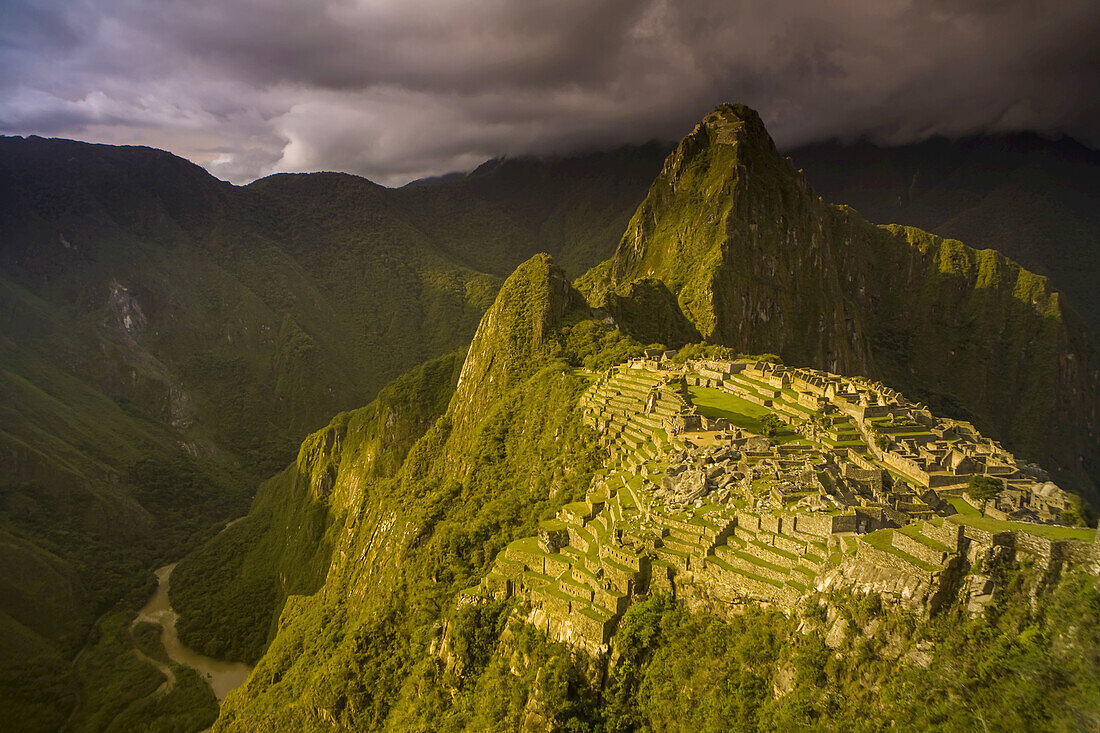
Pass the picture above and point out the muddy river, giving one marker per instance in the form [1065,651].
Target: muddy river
[221,676]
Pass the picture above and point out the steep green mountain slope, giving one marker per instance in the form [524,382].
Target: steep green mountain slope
[1031,198]
[230,591]
[387,640]
[163,353]
[758,262]
[166,340]
[507,452]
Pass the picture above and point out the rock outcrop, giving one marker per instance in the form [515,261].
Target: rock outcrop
[758,262]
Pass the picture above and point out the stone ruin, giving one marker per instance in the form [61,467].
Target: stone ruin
[858,491]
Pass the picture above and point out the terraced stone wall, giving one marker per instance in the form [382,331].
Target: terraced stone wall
[918,549]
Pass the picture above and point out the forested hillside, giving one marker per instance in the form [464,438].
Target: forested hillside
[1029,197]
[167,340]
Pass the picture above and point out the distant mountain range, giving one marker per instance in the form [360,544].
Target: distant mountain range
[167,340]
[1027,196]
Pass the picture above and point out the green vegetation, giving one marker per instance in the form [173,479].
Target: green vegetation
[157,324]
[703,350]
[1020,194]
[147,640]
[913,530]
[725,217]
[1008,671]
[474,482]
[113,678]
[771,425]
[137,434]
[121,691]
[984,488]
[740,412]
[1004,672]
[680,671]
[968,514]
[883,540]
[189,706]
[459,528]
[229,592]
[40,683]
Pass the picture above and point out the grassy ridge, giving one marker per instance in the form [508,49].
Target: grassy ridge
[385,644]
[1026,196]
[156,321]
[474,482]
[969,515]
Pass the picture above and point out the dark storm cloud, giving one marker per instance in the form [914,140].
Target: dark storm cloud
[400,89]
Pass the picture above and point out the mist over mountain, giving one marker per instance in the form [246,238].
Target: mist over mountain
[397,91]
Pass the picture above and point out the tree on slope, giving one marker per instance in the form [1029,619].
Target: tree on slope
[984,488]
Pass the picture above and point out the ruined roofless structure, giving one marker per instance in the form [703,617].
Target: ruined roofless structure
[706,498]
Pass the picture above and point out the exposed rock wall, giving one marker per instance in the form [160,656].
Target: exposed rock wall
[758,262]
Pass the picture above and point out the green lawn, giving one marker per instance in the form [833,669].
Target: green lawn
[757,560]
[554,524]
[883,540]
[740,412]
[968,514]
[913,531]
[792,403]
[753,384]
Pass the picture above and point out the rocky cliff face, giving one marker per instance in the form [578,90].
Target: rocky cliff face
[1029,197]
[736,234]
[758,262]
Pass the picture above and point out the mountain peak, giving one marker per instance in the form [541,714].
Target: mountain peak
[724,189]
[738,122]
[757,262]
[734,127]
[532,302]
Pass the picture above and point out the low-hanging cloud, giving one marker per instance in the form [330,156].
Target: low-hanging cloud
[399,89]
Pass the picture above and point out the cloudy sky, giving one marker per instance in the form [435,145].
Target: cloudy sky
[400,89]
